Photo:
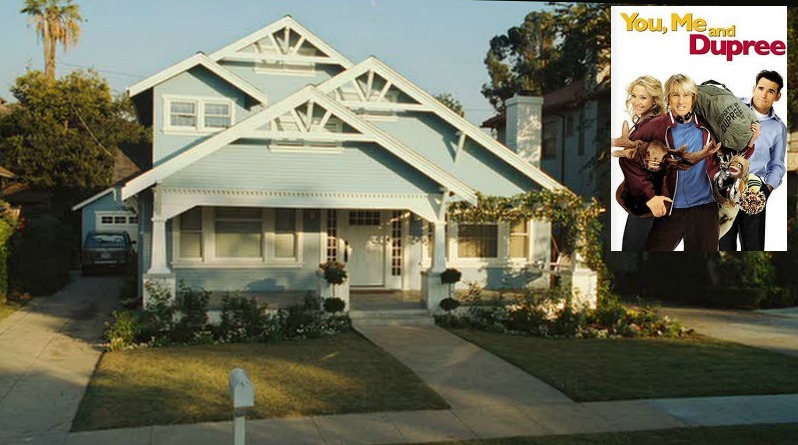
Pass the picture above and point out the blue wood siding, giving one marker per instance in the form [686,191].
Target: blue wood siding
[196,82]
[88,213]
[362,168]
[437,141]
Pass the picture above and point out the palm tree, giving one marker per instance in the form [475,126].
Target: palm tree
[56,21]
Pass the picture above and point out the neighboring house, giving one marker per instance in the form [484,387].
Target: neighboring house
[573,135]
[276,153]
[104,210]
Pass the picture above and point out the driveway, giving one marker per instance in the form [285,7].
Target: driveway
[772,329]
[48,351]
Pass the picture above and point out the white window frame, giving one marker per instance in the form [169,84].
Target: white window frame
[267,259]
[200,102]
[176,235]
[503,249]
[114,214]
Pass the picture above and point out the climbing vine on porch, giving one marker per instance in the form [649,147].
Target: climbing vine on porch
[577,219]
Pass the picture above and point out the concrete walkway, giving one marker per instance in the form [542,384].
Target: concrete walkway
[772,329]
[49,349]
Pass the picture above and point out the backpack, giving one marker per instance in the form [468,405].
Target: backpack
[727,116]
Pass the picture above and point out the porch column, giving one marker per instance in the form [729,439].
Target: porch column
[439,253]
[158,255]
[432,290]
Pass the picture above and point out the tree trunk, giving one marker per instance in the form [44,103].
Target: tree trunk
[49,58]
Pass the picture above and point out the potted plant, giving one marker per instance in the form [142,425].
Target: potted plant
[334,273]
[449,277]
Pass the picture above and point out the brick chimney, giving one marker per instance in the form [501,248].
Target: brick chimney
[524,126]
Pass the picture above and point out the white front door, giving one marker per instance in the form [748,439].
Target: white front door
[365,247]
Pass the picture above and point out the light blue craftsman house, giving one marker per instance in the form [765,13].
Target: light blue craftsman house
[276,153]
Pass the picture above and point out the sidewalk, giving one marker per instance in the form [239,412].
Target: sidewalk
[47,354]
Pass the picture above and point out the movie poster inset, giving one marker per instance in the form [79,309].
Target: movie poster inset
[703,168]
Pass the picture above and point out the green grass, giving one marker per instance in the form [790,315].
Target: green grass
[344,373]
[776,434]
[622,369]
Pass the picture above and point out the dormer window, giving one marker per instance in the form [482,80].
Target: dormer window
[197,114]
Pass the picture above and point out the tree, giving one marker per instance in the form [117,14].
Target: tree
[61,134]
[57,21]
[451,102]
[549,50]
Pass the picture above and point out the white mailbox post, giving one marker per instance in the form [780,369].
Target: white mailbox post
[243,394]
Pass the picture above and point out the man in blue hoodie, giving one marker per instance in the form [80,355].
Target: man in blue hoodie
[767,161]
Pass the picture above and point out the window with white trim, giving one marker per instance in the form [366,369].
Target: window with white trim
[519,239]
[197,114]
[239,232]
[478,241]
[285,233]
[191,233]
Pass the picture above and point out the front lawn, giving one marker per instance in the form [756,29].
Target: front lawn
[643,368]
[343,373]
[778,434]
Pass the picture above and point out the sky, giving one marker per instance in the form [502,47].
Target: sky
[439,45]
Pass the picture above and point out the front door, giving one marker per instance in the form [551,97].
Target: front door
[365,248]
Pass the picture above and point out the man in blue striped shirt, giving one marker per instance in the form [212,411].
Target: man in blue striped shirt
[767,162]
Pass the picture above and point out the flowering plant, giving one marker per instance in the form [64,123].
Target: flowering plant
[333,271]
[752,201]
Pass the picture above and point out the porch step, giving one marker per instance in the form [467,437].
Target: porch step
[391,317]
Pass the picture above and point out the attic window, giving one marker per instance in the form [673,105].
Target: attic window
[197,114]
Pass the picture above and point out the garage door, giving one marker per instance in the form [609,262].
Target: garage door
[126,221]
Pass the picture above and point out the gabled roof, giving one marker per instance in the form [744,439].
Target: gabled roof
[308,98]
[199,59]
[289,27]
[428,103]
[92,198]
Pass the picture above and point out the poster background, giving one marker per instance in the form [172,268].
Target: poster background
[661,55]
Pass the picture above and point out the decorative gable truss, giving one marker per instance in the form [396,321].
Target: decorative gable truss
[282,46]
[375,83]
[372,95]
[309,125]
[307,117]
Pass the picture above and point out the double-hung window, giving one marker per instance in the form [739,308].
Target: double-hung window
[285,234]
[478,241]
[239,232]
[191,233]
[197,114]
[519,239]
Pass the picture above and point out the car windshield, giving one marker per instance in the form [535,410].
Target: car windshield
[106,240]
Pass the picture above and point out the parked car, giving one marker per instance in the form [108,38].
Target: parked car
[106,250]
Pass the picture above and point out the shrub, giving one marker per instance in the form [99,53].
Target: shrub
[41,256]
[159,318]
[449,304]
[123,331]
[244,319]
[192,305]
[450,276]
[334,305]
